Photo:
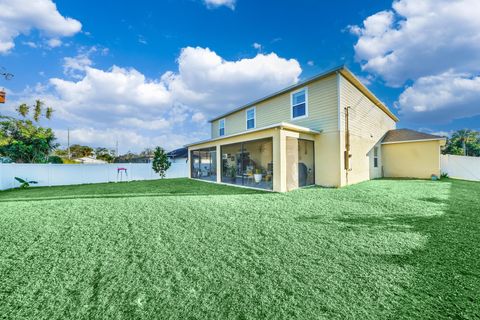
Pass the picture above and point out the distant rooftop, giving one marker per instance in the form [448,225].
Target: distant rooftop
[178,153]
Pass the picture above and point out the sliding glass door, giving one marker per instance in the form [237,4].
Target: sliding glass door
[306,163]
[204,164]
[248,163]
[300,171]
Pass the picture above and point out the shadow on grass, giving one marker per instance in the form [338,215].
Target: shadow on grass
[447,267]
[312,219]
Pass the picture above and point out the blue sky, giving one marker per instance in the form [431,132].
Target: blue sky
[150,73]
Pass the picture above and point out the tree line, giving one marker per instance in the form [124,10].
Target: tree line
[24,140]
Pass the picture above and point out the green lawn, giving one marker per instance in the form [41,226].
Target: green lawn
[182,249]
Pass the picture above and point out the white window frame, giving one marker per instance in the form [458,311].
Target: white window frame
[254,118]
[219,127]
[376,156]
[292,105]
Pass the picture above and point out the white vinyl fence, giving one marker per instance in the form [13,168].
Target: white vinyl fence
[461,167]
[68,174]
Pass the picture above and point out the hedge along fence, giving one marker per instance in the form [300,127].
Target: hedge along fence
[69,174]
[461,167]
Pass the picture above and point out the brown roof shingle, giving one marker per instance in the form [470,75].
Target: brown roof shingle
[398,135]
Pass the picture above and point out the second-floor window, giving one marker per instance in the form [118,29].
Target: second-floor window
[221,127]
[299,104]
[250,118]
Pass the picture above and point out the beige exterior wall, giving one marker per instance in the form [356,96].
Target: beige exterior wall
[214,127]
[411,159]
[327,159]
[368,124]
[322,110]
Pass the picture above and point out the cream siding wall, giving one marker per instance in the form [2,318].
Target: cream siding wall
[412,159]
[322,110]
[214,127]
[368,124]
[328,159]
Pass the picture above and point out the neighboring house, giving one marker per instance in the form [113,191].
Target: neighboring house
[178,155]
[90,160]
[329,130]
[133,158]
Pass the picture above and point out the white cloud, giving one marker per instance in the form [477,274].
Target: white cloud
[434,45]
[199,117]
[257,46]
[128,140]
[21,16]
[54,42]
[441,98]
[142,40]
[366,80]
[218,3]
[73,65]
[177,104]
[207,80]
[155,124]
[420,38]
[30,44]
[311,63]
[117,90]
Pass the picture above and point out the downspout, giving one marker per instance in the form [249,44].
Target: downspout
[346,154]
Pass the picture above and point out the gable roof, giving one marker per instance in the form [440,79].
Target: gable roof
[340,69]
[407,135]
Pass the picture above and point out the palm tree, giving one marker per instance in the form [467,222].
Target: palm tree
[465,136]
[24,110]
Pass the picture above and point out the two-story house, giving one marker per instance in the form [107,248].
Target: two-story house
[329,130]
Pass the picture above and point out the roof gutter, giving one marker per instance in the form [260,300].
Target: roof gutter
[417,140]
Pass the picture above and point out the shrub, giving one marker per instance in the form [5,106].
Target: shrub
[25,183]
[55,159]
[160,162]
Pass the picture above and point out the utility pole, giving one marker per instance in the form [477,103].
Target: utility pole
[116,147]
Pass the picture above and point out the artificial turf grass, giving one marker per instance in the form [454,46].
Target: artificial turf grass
[188,249]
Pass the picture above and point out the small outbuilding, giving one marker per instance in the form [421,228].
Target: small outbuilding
[412,154]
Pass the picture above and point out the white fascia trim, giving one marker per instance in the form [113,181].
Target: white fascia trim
[339,101]
[418,140]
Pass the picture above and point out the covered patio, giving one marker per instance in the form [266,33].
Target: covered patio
[278,158]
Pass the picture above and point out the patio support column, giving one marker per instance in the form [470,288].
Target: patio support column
[219,164]
[279,161]
[189,165]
